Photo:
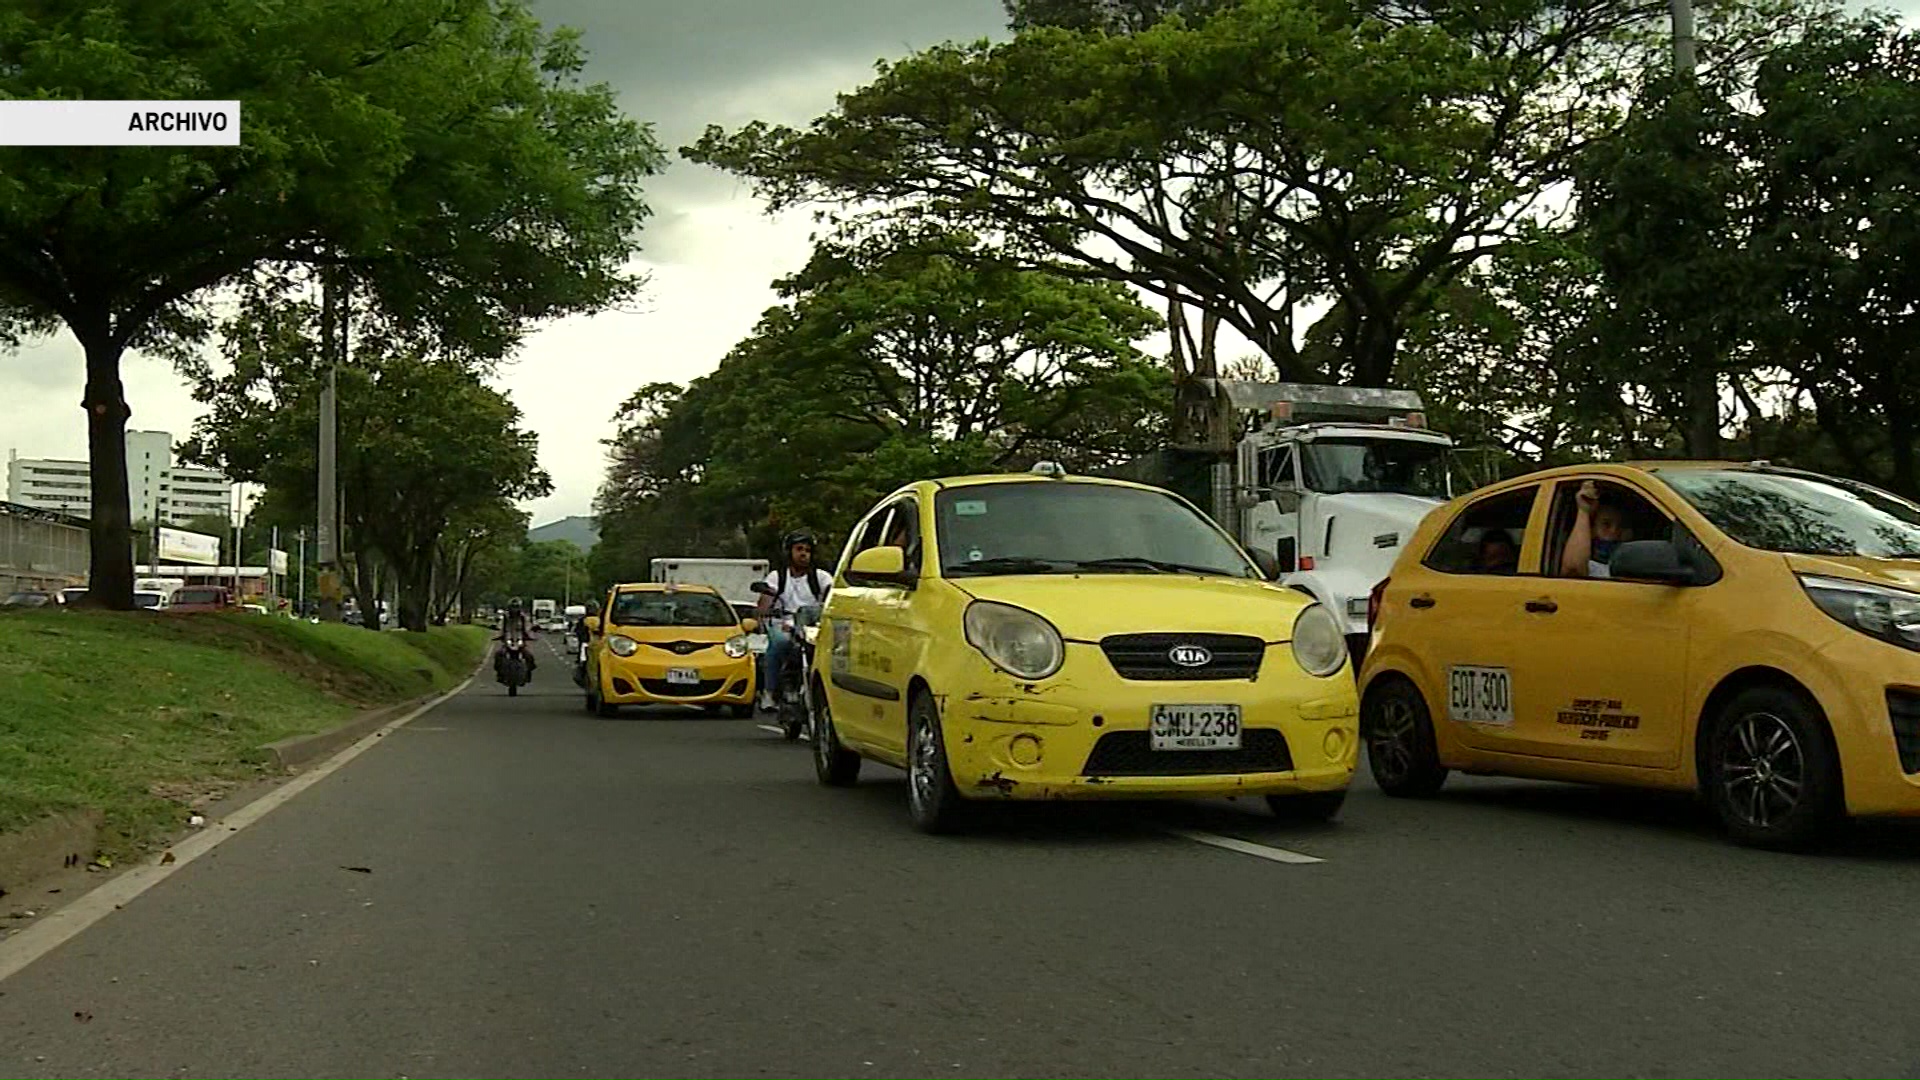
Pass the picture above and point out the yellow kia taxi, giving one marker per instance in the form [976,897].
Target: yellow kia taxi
[1748,632]
[656,644]
[1037,636]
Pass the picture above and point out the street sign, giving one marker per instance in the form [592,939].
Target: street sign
[277,561]
[181,546]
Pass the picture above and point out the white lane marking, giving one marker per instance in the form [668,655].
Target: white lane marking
[59,926]
[777,731]
[1258,851]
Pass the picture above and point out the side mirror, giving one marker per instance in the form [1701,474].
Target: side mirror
[750,625]
[761,588]
[888,564]
[1285,552]
[592,623]
[1650,560]
[1269,565]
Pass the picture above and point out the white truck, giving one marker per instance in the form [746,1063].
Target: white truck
[1328,483]
[733,577]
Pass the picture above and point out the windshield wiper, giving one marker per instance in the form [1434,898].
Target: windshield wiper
[1012,564]
[1151,564]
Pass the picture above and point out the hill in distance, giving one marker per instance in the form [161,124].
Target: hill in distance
[581,532]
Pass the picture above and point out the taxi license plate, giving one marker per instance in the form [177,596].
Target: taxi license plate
[1196,727]
[1480,695]
[683,676]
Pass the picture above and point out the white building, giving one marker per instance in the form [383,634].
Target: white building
[178,492]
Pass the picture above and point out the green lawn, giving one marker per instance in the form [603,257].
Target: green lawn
[137,713]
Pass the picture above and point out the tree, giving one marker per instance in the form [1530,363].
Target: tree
[1272,155]
[464,555]
[432,445]
[437,151]
[552,569]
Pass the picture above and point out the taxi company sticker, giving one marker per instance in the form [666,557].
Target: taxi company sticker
[842,646]
[1598,718]
[969,508]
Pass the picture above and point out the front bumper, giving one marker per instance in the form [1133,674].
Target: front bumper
[642,680]
[1084,734]
[1872,699]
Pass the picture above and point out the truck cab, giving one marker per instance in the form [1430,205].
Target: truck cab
[1334,499]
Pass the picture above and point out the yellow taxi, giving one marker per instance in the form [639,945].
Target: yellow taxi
[1036,636]
[1748,632]
[656,644]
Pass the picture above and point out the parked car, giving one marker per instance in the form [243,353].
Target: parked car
[203,598]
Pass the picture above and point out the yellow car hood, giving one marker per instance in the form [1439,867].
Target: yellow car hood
[1896,573]
[676,633]
[1088,607]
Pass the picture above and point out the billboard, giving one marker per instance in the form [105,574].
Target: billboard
[276,561]
[197,549]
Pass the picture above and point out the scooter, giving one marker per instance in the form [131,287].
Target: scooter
[790,697]
[515,668]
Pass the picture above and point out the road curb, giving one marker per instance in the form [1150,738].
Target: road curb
[291,753]
[46,847]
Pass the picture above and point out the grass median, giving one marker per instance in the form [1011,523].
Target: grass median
[140,715]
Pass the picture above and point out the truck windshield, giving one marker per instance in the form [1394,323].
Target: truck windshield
[1811,515]
[1062,527]
[662,608]
[1398,466]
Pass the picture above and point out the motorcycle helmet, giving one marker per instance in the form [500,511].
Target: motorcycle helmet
[796,537]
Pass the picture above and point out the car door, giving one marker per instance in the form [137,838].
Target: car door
[893,638]
[859,714]
[1461,613]
[1611,655]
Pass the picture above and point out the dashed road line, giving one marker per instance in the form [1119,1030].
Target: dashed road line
[1244,847]
[777,731]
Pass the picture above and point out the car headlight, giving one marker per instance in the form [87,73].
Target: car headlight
[1892,615]
[622,646]
[737,646]
[1318,645]
[1016,640]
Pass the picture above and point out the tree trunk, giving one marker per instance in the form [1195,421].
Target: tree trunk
[416,591]
[1703,412]
[110,573]
[366,587]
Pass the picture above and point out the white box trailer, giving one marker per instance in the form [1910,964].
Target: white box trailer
[733,577]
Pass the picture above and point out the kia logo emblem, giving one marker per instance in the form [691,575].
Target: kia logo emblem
[1190,656]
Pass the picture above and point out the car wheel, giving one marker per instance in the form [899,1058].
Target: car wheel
[833,764]
[1310,806]
[1770,772]
[1401,751]
[932,798]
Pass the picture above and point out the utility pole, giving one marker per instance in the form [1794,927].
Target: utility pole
[332,342]
[302,572]
[1702,376]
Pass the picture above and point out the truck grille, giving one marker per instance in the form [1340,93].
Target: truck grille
[1146,657]
[1131,753]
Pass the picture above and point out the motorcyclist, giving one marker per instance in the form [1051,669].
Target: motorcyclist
[796,584]
[516,618]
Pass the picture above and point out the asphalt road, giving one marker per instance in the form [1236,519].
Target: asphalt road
[553,894]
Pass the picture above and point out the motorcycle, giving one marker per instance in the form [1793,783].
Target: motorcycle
[791,700]
[515,667]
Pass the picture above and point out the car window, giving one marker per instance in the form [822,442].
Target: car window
[1486,536]
[1801,513]
[1051,526]
[662,608]
[1637,516]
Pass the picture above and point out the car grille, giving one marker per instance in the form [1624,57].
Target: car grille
[682,648]
[663,688]
[1903,708]
[1131,753]
[1144,656]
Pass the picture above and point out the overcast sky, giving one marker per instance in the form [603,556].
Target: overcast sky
[711,250]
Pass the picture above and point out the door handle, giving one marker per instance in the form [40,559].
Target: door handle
[1421,602]
[1546,606]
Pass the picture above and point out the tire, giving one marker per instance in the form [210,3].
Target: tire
[1770,772]
[1401,752]
[933,801]
[833,765]
[513,689]
[1310,806]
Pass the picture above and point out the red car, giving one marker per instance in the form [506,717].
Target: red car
[202,598]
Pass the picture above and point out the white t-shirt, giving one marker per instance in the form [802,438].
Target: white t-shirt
[799,594]
[1598,569]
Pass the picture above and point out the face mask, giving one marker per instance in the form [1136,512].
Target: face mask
[1603,550]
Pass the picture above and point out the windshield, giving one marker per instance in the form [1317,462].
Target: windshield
[660,608]
[1802,514]
[197,596]
[1054,527]
[147,599]
[1399,466]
